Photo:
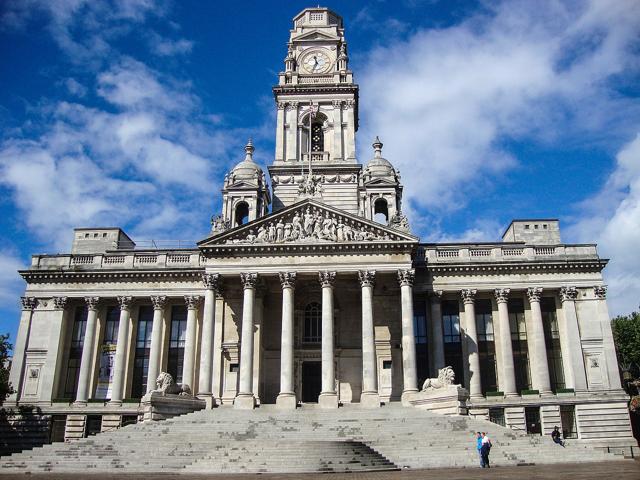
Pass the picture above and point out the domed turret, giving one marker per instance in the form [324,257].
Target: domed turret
[247,169]
[379,166]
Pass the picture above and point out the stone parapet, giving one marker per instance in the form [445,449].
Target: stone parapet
[450,400]
[157,406]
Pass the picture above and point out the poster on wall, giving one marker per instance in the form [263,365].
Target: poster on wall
[105,374]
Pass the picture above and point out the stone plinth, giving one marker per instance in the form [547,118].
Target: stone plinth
[157,406]
[449,400]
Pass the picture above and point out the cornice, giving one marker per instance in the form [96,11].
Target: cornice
[306,88]
[310,248]
[569,265]
[48,276]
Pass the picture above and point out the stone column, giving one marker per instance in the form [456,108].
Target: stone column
[155,352]
[328,396]
[600,292]
[436,337]
[370,397]
[470,337]
[16,374]
[507,369]
[280,133]
[337,153]
[536,343]
[86,361]
[190,338]
[122,347]
[287,396]
[409,368]
[211,283]
[572,359]
[245,398]
[292,139]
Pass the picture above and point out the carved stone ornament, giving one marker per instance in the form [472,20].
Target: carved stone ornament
[568,293]
[436,295]
[249,280]
[288,279]
[534,294]
[29,303]
[400,222]
[60,303]
[166,386]
[446,377]
[219,224]
[311,186]
[212,281]
[125,302]
[600,291]
[192,301]
[468,295]
[502,295]
[311,225]
[327,278]
[406,277]
[159,301]
[92,302]
[367,278]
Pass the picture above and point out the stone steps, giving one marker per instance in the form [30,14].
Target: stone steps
[349,439]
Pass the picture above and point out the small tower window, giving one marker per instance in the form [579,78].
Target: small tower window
[242,213]
[317,137]
[381,211]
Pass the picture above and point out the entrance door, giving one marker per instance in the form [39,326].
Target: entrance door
[532,417]
[311,381]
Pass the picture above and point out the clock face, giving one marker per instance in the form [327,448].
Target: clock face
[316,61]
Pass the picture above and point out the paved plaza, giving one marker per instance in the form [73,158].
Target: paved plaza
[622,470]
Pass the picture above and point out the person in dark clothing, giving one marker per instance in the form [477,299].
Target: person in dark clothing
[485,449]
[556,436]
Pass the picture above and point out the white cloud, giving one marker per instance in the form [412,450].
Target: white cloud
[612,219]
[444,100]
[11,284]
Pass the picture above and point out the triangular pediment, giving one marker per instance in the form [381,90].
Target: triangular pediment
[315,35]
[308,222]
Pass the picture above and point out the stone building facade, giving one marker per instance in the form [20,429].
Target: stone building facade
[313,289]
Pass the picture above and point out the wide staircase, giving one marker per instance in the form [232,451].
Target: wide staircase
[309,439]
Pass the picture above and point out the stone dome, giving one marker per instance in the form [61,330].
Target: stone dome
[379,166]
[247,168]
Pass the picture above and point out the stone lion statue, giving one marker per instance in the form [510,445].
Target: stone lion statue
[166,386]
[446,376]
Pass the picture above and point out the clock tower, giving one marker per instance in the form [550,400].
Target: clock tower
[317,116]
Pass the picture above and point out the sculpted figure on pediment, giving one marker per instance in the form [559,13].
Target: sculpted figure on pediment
[309,222]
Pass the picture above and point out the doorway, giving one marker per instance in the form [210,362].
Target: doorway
[311,381]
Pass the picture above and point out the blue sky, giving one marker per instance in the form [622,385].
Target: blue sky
[129,112]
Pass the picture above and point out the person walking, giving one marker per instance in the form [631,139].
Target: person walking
[485,449]
[556,436]
[479,447]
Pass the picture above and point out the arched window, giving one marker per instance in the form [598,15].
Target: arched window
[242,213]
[312,323]
[317,137]
[381,211]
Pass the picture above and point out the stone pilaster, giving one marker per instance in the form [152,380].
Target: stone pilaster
[245,398]
[572,358]
[507,369]
[370,397]
[16,374]
[409,367]
[287,397]
[328,396]
[86,361]
[470,337]
[122,347]
[600,292]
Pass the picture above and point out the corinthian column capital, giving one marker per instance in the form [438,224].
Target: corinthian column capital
[534,294]
[502,295]
[367,278]
[60,303]
[192,301]
[568,294]
[406,277]
[468,295]
[600,291]
[92,302]
[125,302]
[159,301]
[212,281]
[249,280]
[327,278]
[287,279]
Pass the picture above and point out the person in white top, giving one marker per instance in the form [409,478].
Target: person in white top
[485,449]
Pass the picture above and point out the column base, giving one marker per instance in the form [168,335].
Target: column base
[245,401]
[80,403]
[511,394]
[209,400]
[287,401]
[328,400]
[546,393]
[370,400]
[114,403]
[407,396]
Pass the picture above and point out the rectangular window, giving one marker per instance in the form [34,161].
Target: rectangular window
[142,351]
[75,352]
[177,337]
[552,340]
[496,415]
[519,344]
[452,339]
[111,326]
[568,419]
[486,346]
